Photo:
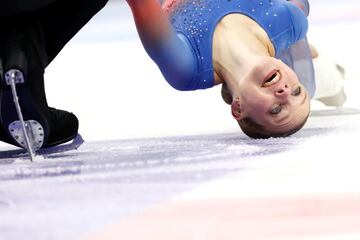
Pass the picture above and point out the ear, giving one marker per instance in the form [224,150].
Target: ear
[236,109]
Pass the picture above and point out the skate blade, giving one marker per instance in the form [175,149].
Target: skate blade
[34,131]
[50,152]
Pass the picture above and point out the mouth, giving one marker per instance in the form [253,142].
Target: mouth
[272,78]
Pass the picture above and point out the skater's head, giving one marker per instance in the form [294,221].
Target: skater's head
[269,101]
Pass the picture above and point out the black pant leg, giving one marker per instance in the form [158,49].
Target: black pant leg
[63,19]
[15,7]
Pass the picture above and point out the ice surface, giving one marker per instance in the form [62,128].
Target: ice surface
[148,144]
[73,193]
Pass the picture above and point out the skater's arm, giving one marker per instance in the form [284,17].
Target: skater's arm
[299,11]
[170,52]
[152,24]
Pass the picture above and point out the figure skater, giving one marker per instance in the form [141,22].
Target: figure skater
[257,50]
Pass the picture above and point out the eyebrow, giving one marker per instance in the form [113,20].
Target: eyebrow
[301,103]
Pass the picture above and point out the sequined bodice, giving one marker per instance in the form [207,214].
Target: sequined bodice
[196,21]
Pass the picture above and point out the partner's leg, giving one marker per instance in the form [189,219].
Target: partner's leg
[63,19]
[16,7]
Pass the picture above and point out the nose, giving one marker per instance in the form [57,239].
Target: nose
[283,90]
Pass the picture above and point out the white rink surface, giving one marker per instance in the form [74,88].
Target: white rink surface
[147,144]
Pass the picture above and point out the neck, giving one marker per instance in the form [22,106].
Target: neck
[236,49]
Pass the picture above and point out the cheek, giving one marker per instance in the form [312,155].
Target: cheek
[292,77]
[257,105]
[289,74]
[256,96]
[255,100]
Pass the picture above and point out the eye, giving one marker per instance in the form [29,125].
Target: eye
[296,92]
[276,110]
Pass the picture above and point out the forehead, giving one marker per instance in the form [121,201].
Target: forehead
[294,115]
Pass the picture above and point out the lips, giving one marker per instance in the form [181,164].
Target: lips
[272,78]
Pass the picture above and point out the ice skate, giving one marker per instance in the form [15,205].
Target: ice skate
[27,121]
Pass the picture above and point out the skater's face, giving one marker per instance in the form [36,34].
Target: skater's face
[272,96]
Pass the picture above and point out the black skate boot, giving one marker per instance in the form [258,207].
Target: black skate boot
[25,116]
[3,135]
[63,127]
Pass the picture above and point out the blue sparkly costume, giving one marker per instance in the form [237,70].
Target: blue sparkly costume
[194,23]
